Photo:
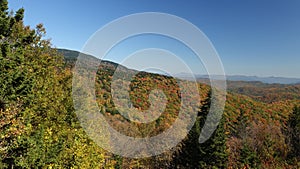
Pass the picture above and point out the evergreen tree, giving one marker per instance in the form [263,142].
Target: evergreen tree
[210,154]
[189,154]
[213,152]
[38,126]
[294,133]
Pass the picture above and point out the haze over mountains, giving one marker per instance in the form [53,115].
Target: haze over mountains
[72,55]
[269,80]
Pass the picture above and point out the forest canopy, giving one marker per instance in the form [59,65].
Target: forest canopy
[39,128]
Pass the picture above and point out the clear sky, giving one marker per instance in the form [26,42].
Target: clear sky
[252,37]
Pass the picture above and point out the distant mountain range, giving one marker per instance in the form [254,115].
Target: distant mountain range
[268,80]
[72,55]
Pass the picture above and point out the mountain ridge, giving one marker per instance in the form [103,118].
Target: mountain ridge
[267,80]
[71,55]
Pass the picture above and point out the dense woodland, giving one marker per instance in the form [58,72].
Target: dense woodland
[260,127]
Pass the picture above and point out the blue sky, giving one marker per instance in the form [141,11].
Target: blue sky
[252,37]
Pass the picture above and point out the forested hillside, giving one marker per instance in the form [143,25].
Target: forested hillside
[260,127]
[267,93]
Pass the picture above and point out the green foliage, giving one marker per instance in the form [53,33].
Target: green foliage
[37,122]
[189,156]
[213,152]
[39,129]
[248,157]
[210,154]
[294,133]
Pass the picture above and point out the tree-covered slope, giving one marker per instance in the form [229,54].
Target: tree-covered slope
[39,127]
